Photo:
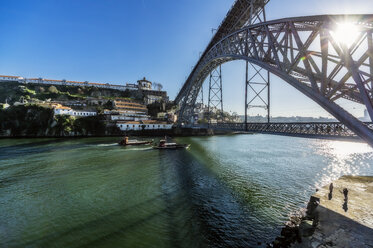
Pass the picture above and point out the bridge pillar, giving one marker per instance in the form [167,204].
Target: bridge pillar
[215,100]
[257,87]
[257,90]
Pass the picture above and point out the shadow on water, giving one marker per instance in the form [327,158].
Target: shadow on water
[108,221]
[219,216]
[44,146]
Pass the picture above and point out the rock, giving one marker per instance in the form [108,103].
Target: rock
[317,236]
[312,205]
[315,244]
[306,228]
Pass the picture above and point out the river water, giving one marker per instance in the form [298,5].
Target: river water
[225,191]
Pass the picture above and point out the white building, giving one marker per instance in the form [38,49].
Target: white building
[4,78]
[62,110]
[144,125]
[10,78]
[133,117]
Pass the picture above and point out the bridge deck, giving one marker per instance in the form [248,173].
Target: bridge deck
[313,129]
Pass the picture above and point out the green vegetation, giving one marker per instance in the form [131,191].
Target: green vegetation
[25,120]
[12,92]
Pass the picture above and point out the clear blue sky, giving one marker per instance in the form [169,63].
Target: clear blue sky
[122,41]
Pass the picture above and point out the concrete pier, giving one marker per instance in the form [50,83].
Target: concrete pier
[344,214]
[338,215]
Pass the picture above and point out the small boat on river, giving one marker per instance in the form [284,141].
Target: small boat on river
[126,142]
[164,145]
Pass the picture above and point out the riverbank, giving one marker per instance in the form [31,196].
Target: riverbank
[174,132]
[337,215]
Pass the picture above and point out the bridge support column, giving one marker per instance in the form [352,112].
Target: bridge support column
[257,90]
[259,83]
[200,106]
[246,80]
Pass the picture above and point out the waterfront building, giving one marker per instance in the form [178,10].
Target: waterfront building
[143,125]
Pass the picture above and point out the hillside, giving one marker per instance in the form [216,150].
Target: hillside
[12,92]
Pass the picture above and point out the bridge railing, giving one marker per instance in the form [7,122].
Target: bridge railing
[327,129]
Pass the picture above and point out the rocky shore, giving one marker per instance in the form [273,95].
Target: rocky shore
[338,215]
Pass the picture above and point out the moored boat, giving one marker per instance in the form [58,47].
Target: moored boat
[164,145]
[126,142]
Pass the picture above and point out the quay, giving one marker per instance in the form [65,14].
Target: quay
[338,215]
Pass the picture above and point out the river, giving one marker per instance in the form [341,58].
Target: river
[224,191]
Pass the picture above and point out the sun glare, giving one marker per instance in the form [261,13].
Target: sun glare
[346,33]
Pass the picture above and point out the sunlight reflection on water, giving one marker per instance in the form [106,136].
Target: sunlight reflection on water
[346,158]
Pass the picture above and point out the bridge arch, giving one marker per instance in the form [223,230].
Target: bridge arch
[286,48]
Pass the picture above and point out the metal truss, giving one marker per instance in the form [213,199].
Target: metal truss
[257,91]
[313,129]
[257,86]
[215,101]
[242,13]
[200,98]
[304,53]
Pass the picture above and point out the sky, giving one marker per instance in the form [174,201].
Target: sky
[112,41]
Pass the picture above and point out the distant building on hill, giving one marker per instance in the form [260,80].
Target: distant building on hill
[129,106]
[127,110]
[143,86]
[150,95]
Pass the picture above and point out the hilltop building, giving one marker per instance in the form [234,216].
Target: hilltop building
[143,86]
[149,95]
[23,80]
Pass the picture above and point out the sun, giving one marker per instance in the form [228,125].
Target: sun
[346,33]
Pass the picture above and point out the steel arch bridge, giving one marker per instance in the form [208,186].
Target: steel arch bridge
[305,53]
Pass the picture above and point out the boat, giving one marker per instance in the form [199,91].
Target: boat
[164,145]
[126,142]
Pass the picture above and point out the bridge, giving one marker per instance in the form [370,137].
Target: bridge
[305,52]
[323,130]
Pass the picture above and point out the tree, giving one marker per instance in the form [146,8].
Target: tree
[157,86]
[41,89]
[52,89]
